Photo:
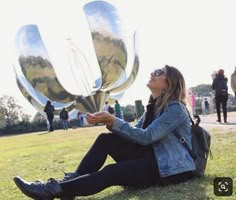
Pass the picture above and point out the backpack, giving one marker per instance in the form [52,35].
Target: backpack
[111,110]
[64,115]
[201,141]
[221,87]
[206,103]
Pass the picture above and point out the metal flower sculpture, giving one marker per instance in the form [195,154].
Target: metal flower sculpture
[37,78]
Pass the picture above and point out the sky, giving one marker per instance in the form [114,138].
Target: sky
[197,37]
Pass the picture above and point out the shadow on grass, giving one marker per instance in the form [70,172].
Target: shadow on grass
[196,189]
[43,133]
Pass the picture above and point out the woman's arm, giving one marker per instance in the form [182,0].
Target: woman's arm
[173,116]
[139,123]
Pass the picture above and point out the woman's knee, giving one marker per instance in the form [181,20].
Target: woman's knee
[108,140]
[103,138]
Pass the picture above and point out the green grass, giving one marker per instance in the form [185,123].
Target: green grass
[43,155]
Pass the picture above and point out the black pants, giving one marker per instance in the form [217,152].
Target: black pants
[221,100]
[50,120]
[135,167]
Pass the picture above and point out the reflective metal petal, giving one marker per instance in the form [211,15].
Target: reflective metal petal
[110,47]
[36,65]
[38,81]
[35,97]
[131,78]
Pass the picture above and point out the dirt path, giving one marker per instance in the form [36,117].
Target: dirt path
[209,121]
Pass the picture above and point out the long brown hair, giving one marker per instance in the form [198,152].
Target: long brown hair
[176,89]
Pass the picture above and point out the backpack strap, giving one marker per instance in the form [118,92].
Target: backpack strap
[190,118]
[182,139]
[183,142]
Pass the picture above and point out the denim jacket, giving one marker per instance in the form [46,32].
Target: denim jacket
[171,156]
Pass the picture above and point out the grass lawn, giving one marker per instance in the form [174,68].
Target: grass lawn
[43,155]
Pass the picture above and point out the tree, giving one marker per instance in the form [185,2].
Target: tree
[129,113]
[2,120]
[10,112]
[202,90]
[39,118]
[25,117]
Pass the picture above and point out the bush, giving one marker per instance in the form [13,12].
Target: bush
[129,116]
[28,127]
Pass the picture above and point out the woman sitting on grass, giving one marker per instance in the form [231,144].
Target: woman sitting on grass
[146,154]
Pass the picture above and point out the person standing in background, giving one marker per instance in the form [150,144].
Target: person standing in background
[106,107]
[221,94]
[233,82]
[49,110]
[81,118]
[117,109]
[206,106]
[64,118]
[193,99]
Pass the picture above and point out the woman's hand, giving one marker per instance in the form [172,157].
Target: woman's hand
[100,117]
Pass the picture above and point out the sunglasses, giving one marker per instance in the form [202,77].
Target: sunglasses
[158,72]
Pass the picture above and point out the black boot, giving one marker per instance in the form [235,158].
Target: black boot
[67,177]
[38,190]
